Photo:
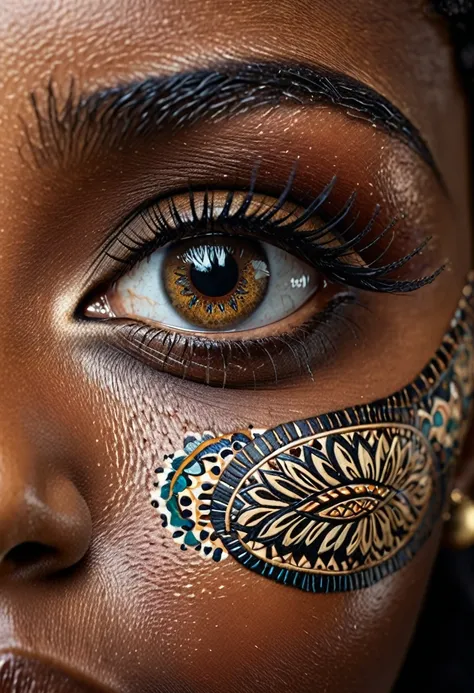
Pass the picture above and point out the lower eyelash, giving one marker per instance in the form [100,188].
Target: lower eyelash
[242,363]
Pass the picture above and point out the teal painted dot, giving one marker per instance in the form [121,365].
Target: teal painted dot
[177,462]
[425,428]
[176,520]
[190,539]
[180,484]
[438,419]
[452,425]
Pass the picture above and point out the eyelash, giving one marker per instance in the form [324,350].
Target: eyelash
[222,362]
[285,233]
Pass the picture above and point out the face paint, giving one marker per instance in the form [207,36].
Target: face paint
[335,502]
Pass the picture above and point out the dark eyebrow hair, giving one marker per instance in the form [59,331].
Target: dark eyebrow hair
[75,126]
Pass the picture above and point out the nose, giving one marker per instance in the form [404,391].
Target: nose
[45,523]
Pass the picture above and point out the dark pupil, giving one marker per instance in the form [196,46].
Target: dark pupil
[215,279]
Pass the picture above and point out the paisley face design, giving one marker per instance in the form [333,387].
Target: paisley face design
[335,502]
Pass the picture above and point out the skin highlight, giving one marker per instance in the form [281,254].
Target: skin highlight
[84,425]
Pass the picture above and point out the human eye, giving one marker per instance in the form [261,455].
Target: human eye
[241,288]
[214,284]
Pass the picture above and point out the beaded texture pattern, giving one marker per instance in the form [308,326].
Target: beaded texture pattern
[335,502]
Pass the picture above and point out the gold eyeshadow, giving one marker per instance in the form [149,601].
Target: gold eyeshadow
[335,502]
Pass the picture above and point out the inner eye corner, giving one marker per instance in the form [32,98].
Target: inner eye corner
[94,305]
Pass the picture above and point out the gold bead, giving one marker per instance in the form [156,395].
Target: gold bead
[460,526]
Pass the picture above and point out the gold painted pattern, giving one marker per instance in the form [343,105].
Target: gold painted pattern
[334,502]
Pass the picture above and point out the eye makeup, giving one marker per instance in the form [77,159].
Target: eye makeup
[335,502]
[240,338]
[328,240]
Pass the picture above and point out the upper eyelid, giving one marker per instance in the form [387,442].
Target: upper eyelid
[152,207]
[112,116]
[315,249]
[171,217]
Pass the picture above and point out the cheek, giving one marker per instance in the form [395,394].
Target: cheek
[197,625]
[244,632]
[211,627]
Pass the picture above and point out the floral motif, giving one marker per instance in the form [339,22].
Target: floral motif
[338,502]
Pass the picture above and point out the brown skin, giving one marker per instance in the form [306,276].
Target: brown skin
[83,426]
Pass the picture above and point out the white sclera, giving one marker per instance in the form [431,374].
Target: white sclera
[141,293]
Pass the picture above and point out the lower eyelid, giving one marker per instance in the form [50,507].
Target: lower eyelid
[236,363]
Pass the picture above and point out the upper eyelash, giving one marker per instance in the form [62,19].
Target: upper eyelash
[285,232]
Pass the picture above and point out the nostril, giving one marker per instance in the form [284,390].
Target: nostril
[28,553]
[41,534]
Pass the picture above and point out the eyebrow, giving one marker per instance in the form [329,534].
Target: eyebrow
[76,126]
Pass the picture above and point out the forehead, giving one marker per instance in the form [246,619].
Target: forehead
[391,46]
[399,50]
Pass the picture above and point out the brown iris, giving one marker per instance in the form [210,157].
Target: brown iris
[216,283]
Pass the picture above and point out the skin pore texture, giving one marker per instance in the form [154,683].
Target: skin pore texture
[93,589]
